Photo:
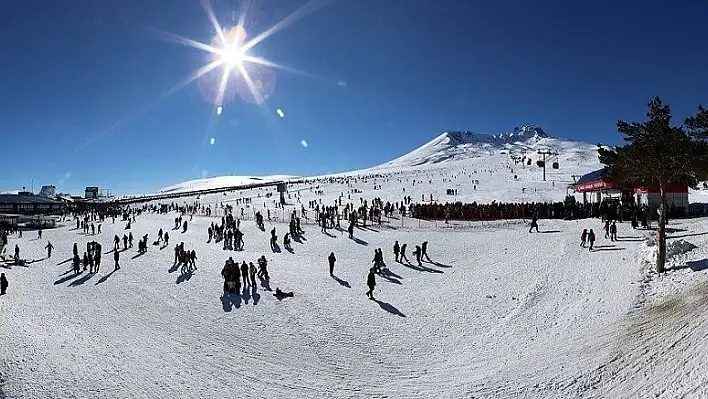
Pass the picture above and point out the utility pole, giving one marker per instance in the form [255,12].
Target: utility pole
[544,153]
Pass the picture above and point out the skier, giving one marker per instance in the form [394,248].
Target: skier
[49,248]
[591,239]
[583,238]
[116,255]
[3,284]
[166,237]
[184,227]
[39,233]
[607,229]
[424,250]
[396,249]
[613,232]
[331,259]
[371,283]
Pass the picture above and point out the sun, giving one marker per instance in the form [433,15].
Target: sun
[233,55]
[230,50]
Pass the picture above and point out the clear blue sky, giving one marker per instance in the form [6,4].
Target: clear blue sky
[80,82]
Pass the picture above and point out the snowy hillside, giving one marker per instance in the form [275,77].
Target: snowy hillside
[222,181]
[480,167]
[453,146]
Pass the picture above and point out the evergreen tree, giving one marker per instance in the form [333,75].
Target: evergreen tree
[658,154]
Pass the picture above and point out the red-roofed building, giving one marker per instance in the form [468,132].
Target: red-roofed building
[596,186]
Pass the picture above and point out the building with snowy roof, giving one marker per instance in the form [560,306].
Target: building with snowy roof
[597,186]
[25,203]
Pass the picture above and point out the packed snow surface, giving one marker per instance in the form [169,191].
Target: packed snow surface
[498,313]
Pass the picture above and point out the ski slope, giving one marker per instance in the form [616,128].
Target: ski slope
[501,313]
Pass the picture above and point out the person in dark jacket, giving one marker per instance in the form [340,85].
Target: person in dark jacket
[331,259]
[424,251]
[417,252]
[371,283]
[3,284]
[396,249]
[613,232]
[583,238]
[591,239]
[116,256]
[244,273]
[534,223]
[403,253]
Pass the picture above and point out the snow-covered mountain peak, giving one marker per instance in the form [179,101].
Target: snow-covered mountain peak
[456,145]
[455,138]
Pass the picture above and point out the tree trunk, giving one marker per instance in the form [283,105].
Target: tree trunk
[661,239]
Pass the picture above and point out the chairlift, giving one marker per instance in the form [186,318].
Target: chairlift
[555,165]
[540,164]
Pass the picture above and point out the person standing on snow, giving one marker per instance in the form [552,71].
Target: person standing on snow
[417,253]
[534,223]
[252,272]
[613,232]
[244,274]
[607,229]
[371,283]
[424,250]
[331,259]
[591,239]
[583,238]
[3,284]
[49,248]
[116,256]
[403,253]
[396,249]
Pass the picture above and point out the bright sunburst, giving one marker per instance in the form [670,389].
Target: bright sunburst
[231,54]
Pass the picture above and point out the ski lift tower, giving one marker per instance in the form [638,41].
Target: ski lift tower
[544,153]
